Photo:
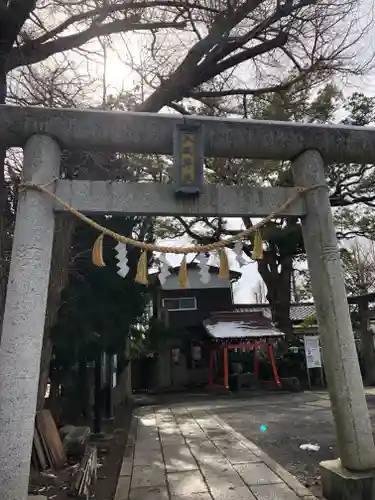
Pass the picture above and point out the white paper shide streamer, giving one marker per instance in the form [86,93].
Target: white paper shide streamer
[238,250]
[204,268]
[122,257]
[164,269]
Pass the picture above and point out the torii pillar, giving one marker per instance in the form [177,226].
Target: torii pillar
[24,317]
[344,380]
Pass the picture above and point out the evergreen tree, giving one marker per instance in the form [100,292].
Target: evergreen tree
[98,306]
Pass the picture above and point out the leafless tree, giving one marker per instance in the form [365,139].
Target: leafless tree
[215,56]
[47,49]
[359,266]
[237,49]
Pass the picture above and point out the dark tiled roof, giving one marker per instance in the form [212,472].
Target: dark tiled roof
[298,312]
[301,312]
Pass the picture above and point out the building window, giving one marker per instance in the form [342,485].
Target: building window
[182,304]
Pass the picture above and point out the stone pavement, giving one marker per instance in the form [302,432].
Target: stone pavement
[174,453]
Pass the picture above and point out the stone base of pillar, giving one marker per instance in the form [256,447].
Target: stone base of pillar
[340,483]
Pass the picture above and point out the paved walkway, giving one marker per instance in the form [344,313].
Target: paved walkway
[180,454]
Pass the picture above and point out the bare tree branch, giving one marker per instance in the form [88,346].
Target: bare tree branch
[31,53]
[258,91]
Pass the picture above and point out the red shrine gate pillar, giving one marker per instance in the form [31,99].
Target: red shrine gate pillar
[246,346]
[271,355]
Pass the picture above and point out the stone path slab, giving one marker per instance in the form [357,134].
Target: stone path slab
[174,453]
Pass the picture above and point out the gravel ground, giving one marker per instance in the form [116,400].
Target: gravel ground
[291,420]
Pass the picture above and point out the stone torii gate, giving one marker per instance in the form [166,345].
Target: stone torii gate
[43,132]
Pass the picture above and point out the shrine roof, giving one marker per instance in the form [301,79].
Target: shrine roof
[235,325]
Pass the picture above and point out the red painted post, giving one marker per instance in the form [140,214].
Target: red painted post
[273,363]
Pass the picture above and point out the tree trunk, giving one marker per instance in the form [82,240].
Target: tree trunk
[54,399]
[83,390]
[98,394]
[64,231]
[44,370]
[367,344]
[276,274]
[123,390]
[128,370]
[108,392]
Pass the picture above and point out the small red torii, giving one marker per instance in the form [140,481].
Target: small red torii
[241,330]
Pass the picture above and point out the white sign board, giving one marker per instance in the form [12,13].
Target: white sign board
[312,352]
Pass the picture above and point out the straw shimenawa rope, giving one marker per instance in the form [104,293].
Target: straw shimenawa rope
[221,244]
[142,266]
